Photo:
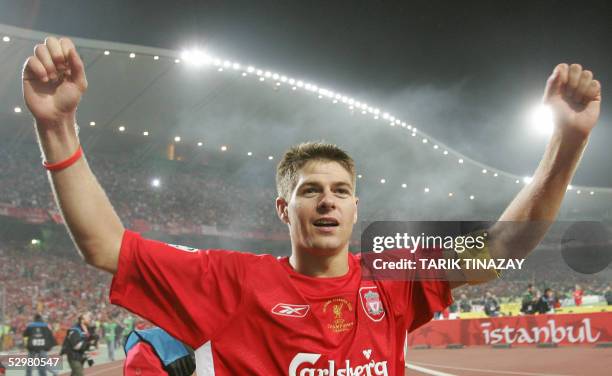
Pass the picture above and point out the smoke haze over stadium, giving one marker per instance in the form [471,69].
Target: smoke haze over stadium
[466,73]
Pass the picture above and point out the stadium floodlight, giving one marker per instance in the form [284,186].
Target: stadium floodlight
[155,57]
[425,141]
[450,194]
[176,61]
[270,157]
[92,123]
[200,143]
[445,152]
[177,139]
[472,197]
[261,79]
[132,55]
[517,181]
[495,175]
[6,38]
[484,171]
[359,176]
[145,133]
[244,74]
[460,161]
[527,179]
[121,128]
[569,187]
[426,190]
[383,181]
[35,241]
[196,57]
[592,193]
[106,53]
[250,153]
[17,110]
[223,148]
[578,192]
[436,147]
[404,185]
[541,117]
[250,69]
[155,182]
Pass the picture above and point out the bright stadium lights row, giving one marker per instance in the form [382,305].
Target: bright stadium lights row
[541,116]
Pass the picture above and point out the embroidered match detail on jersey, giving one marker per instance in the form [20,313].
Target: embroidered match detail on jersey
[371,303]
[291,310]
[340,313]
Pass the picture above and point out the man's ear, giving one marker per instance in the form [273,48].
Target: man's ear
[356,210]
[282,209]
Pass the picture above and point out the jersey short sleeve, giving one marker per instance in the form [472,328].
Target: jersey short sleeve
[419,293]
[189,293]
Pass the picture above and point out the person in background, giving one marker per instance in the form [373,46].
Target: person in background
[529,300]
[491,305]
[153,352]
[464,304]
[38,339]
[608,295]
[578,293]
[546,303]
[109,327]
[76,344]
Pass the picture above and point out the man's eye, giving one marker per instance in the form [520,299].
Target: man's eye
[310,190]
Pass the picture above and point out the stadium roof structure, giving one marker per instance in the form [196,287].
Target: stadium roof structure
[209,102]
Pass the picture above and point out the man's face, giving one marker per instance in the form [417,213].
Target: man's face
[322,208]
[87,318]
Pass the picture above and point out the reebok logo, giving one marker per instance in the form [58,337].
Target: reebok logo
[292,310]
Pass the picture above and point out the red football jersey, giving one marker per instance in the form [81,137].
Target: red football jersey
[247,314]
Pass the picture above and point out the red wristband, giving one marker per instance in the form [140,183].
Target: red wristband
[66,162]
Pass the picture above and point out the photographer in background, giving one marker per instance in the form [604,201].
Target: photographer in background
[78,340]
[491,305]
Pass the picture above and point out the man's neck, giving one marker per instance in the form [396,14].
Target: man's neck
[313,265]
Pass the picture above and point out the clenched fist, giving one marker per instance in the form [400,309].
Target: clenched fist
[574,97]
[53,81]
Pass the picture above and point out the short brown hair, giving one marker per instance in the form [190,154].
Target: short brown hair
[297,156]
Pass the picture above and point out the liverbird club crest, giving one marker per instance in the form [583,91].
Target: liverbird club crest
[371,303]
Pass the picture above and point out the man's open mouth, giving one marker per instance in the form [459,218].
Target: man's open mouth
[326,222]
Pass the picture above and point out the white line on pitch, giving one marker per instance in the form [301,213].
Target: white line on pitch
[491,370]
[427,370]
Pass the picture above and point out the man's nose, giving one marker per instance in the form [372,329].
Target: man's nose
[327,202]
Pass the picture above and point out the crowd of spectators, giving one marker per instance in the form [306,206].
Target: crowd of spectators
[60,288]
[182,197]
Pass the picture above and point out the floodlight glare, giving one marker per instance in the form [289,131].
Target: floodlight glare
[542,119]
[155,182]
[195,57]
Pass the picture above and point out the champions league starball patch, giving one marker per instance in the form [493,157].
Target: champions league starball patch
[371,303]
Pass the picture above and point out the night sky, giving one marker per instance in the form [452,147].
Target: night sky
[480,65]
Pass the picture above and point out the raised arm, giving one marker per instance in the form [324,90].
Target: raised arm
[53,83]
[575,98]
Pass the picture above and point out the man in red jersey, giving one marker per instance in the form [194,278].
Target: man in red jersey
[311,313]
